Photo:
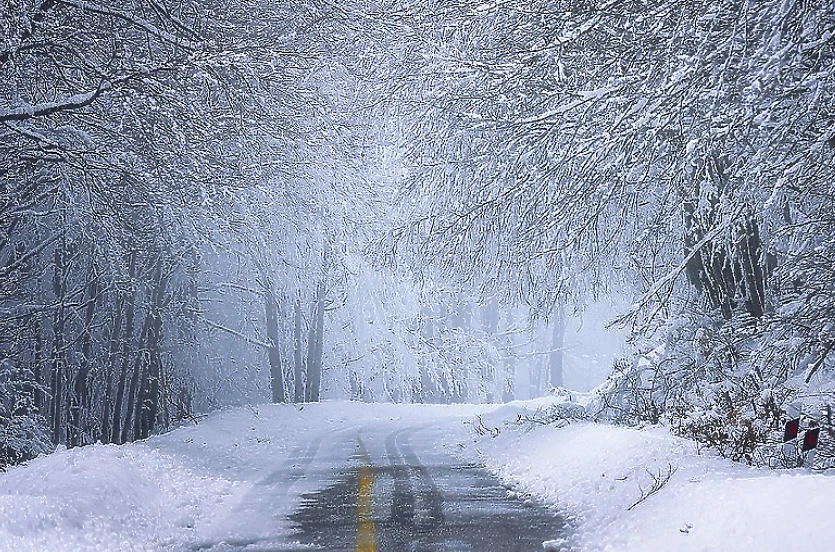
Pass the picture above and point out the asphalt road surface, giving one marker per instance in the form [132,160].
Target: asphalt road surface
[391,487]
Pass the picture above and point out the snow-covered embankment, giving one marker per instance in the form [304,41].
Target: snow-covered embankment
[611,482]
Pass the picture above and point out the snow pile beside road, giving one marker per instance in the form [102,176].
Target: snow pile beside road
[610,482]
[102,498]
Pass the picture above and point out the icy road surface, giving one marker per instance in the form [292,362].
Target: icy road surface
[389,487]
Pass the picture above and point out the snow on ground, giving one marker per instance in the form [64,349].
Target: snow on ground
[175,491]
[181,490]
[595,473]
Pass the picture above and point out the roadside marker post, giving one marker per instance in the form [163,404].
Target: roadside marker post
[807,445]
[791,430]
[810,438]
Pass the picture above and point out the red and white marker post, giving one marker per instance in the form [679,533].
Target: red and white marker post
[808,444]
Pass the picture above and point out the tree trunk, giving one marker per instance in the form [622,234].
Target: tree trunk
[58,323]
[315,346]
[297,354]
[491,316]
[39,368]
[555,357]
[460,317]
[130,423]
[509,391]
[111,372]
[430,391]
[147,347]
[148,403]
[723,271]
[82,390]
[125,339]
[276,372]
[149,395]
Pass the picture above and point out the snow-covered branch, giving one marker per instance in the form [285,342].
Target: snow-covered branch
[76,101]
[230,331]
[133,19]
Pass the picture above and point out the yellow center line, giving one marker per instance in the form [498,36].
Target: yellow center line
[366,530]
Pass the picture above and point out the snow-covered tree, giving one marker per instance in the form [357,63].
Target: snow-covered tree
[678,150]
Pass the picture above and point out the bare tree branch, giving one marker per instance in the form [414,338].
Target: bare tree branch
[140,22]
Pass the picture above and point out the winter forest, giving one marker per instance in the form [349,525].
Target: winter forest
[212,203]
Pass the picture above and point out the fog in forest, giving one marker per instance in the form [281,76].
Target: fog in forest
[207,204]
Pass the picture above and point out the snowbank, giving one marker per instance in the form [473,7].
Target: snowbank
[101,498]
[596,473]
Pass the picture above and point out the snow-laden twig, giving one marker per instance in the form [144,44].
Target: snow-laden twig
[482,429]
[76,101]
[673,274]
[659,480]
[236,333]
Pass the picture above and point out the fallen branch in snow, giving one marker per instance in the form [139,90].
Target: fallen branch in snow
[558,415]
[482,429]
[659,480]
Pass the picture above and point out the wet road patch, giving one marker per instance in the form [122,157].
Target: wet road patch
[422,508]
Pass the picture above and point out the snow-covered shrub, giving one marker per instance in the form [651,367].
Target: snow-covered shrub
[22,434]
[727,384]
[731,406]
[738,423]
[22,438]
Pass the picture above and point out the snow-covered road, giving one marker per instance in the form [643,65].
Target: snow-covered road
[383,485]
[412,494]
